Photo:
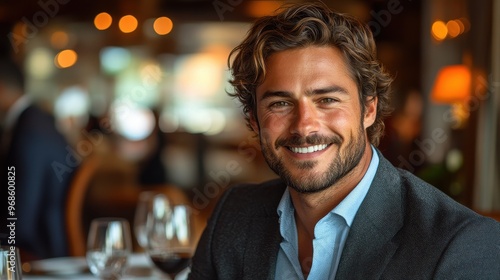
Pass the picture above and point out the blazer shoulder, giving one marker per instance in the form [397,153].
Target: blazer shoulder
[275,186]
[435,214]
[473,252]
[252,198]
[413,203]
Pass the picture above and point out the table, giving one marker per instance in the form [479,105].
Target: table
[139,267]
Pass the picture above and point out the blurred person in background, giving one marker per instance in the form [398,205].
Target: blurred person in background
[403,127]
[152,171]
[37,153]
[314,93]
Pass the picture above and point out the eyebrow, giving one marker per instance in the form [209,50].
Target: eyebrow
[329,89]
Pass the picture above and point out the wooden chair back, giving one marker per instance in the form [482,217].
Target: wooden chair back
[75,203]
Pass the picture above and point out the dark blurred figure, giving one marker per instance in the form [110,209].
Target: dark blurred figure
[33,148]
[152,171]
[402,128]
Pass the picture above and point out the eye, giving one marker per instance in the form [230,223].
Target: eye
[328,100]
[279,104]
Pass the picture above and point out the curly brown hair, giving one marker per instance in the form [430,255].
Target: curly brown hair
[307,24]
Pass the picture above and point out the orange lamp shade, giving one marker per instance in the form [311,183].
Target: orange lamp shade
[452,85]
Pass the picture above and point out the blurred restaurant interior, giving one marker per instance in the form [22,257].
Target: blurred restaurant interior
[140,87]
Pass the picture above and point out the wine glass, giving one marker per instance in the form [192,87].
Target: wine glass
[108,247]
[144,206]
[10,263]
[171,241]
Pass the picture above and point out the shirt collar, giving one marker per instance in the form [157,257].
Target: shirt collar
[286,218]
[347,208]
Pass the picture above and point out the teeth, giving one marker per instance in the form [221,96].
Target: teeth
[310,149]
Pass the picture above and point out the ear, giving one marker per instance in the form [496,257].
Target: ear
[370,112]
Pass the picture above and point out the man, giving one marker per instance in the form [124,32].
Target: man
[29,146]
[312,90]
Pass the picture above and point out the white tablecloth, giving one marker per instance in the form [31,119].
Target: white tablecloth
[139,267]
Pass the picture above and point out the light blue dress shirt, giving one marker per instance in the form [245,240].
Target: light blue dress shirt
[330,233]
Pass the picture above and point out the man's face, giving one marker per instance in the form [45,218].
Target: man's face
[309,118]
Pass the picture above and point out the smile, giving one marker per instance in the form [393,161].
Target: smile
[306,150]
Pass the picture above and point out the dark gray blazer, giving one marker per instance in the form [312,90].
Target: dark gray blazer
[404,229]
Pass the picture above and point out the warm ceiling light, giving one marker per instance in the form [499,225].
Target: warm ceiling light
[66,58]
[439,30]
[453,84]
[103,21]
[163,25]
[453,87]
[128,24]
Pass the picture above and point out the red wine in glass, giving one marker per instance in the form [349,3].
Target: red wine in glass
[171,263]
[170,238]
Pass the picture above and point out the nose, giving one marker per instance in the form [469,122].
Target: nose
[306,119]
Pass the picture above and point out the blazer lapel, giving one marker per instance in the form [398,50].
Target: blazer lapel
[261,253]
[371,241]
[263,236]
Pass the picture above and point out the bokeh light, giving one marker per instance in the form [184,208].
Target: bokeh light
[454,28]
[39,63]
[451,29]
[59,39]
[115,59]
[439,30]
[199,76]
[196,119]
[66,58]
[150,74]
[132,122]
[73,102]
[128,24]
[163,25]
[103,21]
